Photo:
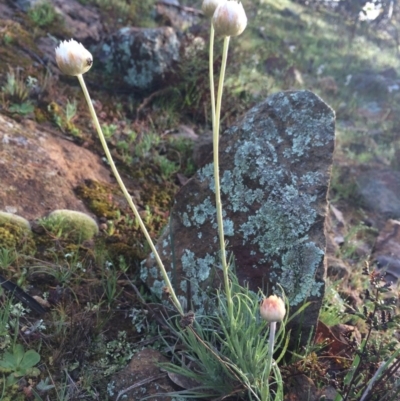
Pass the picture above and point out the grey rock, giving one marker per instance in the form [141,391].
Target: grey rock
[171,13]
[26,5]
[337,269]
[170,2]
[275,167]
[140,58]
[83,21]
[374,85]
[380,191]
[390,266]
[203,150]
[386,253]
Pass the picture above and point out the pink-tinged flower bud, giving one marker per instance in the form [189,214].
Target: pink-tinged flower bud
[229,18]
[72,58]
[209,7]
[272,309]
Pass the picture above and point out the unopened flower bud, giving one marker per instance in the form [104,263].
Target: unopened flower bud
[272,309]
[209,7]
[229,18]
[72,58]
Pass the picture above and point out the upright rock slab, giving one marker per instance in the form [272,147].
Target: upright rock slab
[275,168]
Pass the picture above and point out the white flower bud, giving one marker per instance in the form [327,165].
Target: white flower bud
[229,18]
[272,309]
[72,58]
[209,7]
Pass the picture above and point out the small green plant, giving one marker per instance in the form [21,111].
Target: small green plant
[19,363]
[64,117]
[5,316]
[110,283]
[109,130]
[147,143]
[15,93]
[333,306]
[15,87]
[125,146]
[7,258]
[42,13]
[70,111]
[22,109]
[63,392]
[167,167]
[65,269]
[7,39]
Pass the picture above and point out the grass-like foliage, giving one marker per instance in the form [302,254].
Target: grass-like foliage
[225,356]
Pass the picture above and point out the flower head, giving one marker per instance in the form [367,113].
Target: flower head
[229,18]
[272,309]
[72,58]
[209,6]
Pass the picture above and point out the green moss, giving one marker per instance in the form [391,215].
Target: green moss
[14,219]
[19,37]
[99,198]
[76,226]
[131,250]
[123,235]
[11,393]
[16,236]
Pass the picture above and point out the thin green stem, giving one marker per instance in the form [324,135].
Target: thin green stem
[271,343]
[128,197]
[264,391]
[216,129]
[211,68]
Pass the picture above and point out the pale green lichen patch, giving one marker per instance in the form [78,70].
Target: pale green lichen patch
[282,212]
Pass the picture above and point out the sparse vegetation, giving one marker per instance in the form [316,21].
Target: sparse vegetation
[96,322]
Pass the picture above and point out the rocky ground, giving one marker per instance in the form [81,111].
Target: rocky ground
[97,339]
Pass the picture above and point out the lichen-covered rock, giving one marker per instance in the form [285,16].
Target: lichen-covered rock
[142,58]
[275,168]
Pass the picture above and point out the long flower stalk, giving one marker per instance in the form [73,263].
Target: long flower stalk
[216,129]
[211,70]
[128,197]
[273,310]
[271,344]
